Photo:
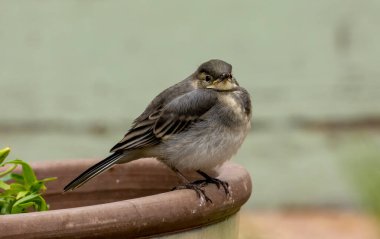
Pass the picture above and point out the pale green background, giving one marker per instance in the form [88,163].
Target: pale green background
[74,74]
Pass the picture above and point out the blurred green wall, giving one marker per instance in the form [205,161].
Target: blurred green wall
[74,74]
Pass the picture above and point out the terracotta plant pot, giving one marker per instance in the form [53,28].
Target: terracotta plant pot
[130,201]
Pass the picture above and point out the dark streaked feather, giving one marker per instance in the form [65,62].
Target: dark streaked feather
[173,118]
[152,113]
[139,136]
[93,171]
[176,128]
[178,115]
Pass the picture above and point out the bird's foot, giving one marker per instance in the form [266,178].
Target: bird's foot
[197,188]
[212,180]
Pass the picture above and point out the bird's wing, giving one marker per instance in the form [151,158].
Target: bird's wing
[182,111]
[173,118]
[140,135]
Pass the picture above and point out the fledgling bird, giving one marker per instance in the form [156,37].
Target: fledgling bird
[196,124]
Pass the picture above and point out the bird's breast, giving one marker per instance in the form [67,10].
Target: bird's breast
[234,109]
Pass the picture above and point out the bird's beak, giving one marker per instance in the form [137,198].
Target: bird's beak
[219,81]
[229,79]
[226,76]
[224,82]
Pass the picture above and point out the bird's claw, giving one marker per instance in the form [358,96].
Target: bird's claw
[215,181]
[197,188]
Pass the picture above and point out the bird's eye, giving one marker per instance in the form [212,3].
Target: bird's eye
[208,78]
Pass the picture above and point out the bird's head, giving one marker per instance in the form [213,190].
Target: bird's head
[215,74]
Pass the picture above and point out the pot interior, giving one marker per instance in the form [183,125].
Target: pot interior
[136,179]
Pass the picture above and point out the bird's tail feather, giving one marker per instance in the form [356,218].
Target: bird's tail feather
[93,171]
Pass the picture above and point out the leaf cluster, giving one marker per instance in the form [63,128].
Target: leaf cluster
[20,193]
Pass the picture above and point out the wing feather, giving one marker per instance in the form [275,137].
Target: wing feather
[175,117]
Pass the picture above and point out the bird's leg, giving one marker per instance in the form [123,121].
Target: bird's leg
[189,185]
[208,179]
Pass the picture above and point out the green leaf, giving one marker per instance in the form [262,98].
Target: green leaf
[4,153]
[26,199]
[27,171]
[13,190]
[6,209]
[21,194]
[22,207]
[9,170]
[2,202]
[4,185]
[24,193]
[37,187]
[6,206]
[48,179]
[17,177]
[41,204]
[17,187]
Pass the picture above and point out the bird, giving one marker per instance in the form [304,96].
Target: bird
[196,124]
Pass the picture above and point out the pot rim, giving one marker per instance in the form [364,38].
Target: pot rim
[157,214]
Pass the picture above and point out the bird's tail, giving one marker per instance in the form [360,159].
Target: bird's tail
[93,171]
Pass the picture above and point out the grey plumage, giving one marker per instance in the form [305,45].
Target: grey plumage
[198,123]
